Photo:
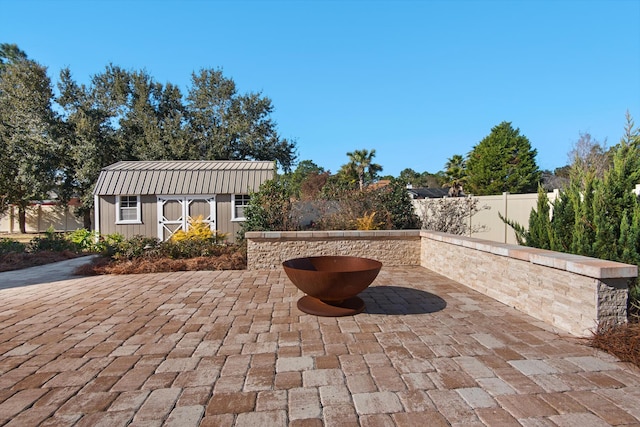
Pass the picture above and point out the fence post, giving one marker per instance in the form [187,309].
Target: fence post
[39,216]
[470,222]
[505,198]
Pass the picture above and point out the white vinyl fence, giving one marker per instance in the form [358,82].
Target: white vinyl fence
[515,207]
[40,217]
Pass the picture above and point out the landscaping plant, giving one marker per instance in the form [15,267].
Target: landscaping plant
[40,250]
[598,217]
[11,246]
[451,215]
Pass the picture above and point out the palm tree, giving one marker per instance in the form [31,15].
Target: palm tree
[455,169]
[361,163]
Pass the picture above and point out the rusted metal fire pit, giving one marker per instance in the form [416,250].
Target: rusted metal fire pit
[331,283]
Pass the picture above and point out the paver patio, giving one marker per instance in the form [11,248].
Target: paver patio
[231,348]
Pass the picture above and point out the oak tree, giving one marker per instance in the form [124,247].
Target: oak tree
[28,146]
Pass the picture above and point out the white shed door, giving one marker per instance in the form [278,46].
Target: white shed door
[176,212]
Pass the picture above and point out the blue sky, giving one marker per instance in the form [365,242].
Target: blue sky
[418,81]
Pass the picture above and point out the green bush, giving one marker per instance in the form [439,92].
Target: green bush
[85,240]
[108,245]
[141,246]
[597,217]
[53,242]
[270,209]
[9,246]
[189,248]
[392,206]
[135,247]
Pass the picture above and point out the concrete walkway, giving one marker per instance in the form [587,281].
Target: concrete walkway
[47,273]
[231,349]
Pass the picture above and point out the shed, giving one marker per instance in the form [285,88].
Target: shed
[157,198]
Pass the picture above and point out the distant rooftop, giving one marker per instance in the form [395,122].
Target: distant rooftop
[428,193]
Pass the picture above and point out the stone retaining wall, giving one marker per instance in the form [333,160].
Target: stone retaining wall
[569,292]
[268,249]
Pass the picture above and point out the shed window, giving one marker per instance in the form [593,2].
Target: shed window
[239,202]
[128,209]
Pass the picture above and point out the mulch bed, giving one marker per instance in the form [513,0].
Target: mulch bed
[623,341]
[101,265]
[17,261]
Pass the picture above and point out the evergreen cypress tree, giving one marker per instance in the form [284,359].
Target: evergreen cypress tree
[598,217]
[539,223]
[562,224]
[629,240]
[614,202]
[502,161]
[583,228]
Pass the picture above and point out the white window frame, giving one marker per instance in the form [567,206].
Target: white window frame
[233,207]
[119,220]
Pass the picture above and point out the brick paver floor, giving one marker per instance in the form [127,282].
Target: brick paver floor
[231,348]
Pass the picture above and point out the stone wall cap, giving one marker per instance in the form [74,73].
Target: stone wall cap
[578,264]
[331,234]
[602,269]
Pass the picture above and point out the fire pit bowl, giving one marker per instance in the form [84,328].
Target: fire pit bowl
[331,283]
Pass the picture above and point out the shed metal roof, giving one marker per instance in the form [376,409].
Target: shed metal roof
[183,177]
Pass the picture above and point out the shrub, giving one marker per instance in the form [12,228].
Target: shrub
[199,230]
[84,239]
[595,216]
[367,222]
[189,248]
[270,209]
[108,244]
[11,246]
[451,215]
[397,206]
[392,206]
[53,242]
[135,247]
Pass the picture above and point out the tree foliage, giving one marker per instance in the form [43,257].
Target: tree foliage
[598,214]
[590,156]
[455,170]
[450,215]
[91,141]
[228,125]
[416,179]
[29,147]
[361,168]
[120,115]
[307,180]
[310,197]
[10,53]
[271,207]
[504,161]
[396,204]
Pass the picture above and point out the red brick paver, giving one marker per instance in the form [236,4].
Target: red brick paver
[231,348]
